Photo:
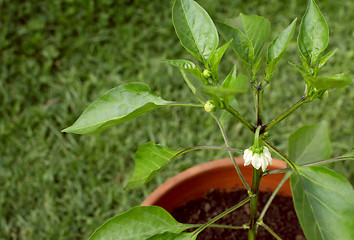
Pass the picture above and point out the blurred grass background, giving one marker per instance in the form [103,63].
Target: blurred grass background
[58,56]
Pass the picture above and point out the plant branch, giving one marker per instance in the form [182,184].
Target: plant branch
[270,230]
[308,165]
[245,226]
[226,140]
[285,114]
[184,104]
[221,215]
[282,155]
[240,118]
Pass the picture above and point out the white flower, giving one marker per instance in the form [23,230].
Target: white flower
[258,159]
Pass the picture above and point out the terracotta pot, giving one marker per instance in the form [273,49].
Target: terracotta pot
[199,180]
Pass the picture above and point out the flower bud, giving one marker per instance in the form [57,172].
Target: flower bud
[210,106]
[324,95]
[206,73]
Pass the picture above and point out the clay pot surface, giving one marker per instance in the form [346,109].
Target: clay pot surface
[197,181]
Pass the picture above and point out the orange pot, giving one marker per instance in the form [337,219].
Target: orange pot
[199,180]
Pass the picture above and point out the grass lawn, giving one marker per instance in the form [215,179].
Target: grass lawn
[58,56]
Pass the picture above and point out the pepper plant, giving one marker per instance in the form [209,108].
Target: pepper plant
[322,198]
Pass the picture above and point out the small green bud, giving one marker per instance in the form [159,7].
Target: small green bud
[324,95]
[210,106]
[206,73]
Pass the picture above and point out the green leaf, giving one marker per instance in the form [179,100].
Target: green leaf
[336,81]
[302,70]
[149,161]
[139,223]
[231,86]
[278,46]
[216,58]
[186,65]
[240,83]
[323,202]
[240,42]
[256,67]
[118,105]
[174,236]
[309,144]
[324,59]
[195,29]
[314,34]
[228,82]
[257,30]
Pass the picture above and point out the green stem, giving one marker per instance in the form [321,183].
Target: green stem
[285,114]
[270,231]
[252,232]
[184,104]
[282,155]
[286,176]
[230,210]
[259,101]
[308,165]
[239,117]
[226,140]
[220,226]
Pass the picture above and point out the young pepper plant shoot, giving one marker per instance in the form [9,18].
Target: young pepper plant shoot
[323,199]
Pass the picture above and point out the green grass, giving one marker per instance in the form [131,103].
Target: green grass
[58,56]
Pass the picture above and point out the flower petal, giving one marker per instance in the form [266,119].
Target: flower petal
[264,162]
[247,156]
[256,161]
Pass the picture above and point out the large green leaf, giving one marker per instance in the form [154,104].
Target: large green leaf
[240,42]
[216,58]
[139,223]
[310,144]
[323,202]
[336,81]
[257,30]
[118,105]
[186,65]
[277,47]
[174,236]
[314,34]
[149,160]
[195,29]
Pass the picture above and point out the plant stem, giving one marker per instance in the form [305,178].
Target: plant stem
[220,226]
[252,232]
[259,101]
[226,140]
[286,176]
[239,117]
[184,104]
[284,114]
[230,210]
[308,165]
[282,155]
[270,231]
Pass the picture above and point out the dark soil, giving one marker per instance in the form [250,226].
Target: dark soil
[280,217]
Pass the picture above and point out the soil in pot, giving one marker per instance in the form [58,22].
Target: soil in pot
[281,216]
